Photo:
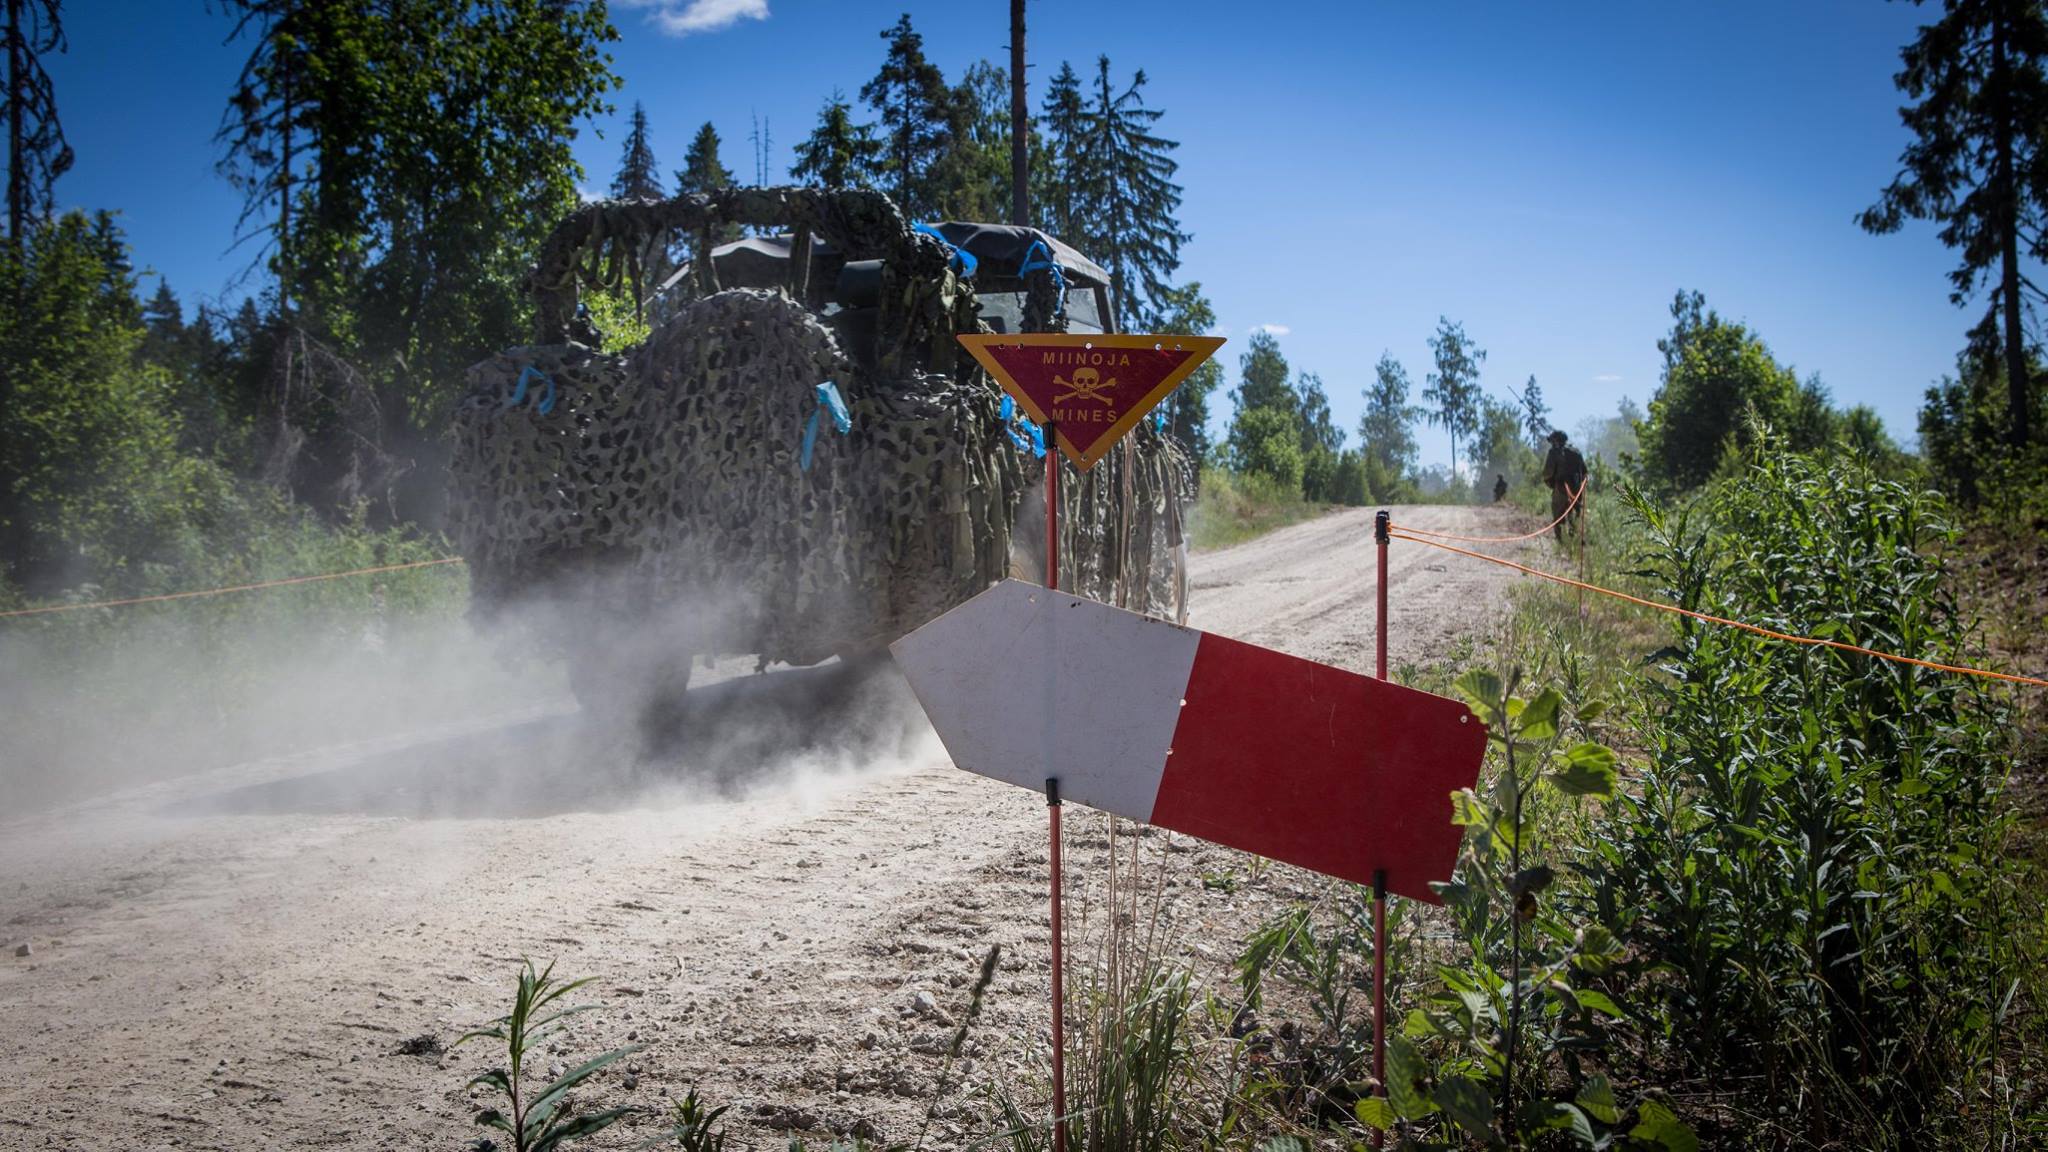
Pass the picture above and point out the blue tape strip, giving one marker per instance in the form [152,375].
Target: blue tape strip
[547,396]
[963,261]
[1039,256]
[1023,433]
[829,400]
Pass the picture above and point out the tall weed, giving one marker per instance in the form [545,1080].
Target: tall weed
[1811,870]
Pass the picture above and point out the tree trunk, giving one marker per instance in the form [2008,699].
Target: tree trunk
[17,107]
[2018,383]
[1020,123]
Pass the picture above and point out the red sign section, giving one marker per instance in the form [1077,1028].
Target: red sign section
[1089,389]
[1332,771]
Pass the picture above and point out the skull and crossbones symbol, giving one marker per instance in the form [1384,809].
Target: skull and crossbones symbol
[1087,384]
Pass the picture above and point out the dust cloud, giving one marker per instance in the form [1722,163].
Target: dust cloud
[366,706]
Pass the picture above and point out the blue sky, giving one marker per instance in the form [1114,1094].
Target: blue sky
[1547,174]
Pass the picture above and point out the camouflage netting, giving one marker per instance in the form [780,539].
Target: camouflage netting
[660,495]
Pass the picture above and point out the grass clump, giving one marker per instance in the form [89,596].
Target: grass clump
[1234,507]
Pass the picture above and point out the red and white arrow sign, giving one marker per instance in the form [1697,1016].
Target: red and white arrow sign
[1323,768]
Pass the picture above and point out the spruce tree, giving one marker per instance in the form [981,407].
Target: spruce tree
[838,153]
[1059,204]
[1453,389]
[703,172]
[639,177]
[1126,178]
[915,106]
[1978,164]
[36,151]
[1535,413]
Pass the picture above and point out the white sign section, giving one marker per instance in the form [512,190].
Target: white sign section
[1238,744]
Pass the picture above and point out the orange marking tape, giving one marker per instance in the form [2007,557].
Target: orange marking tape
[225,591]
[1760,631]
[1504,539]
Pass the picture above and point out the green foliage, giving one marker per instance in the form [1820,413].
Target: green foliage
[93,486]
[693,1127]
[1349,483]
[1129,200]
[1262,377]
[1963,437]
[541,1119]
[1237,506]
[1508,1051]
[1498,447]
[1979,79]
[972,177]
[1321,439]
[1185,311]
[1716,372]
[614,316]
[404,161]
[1452,392]
[915,105]
[639,174]
[1057,188]
[1130,1076]
[1267,442]
[1386,433]
[1322,955]
[1535,413]
[838,153]
[1816,858]
[37,153]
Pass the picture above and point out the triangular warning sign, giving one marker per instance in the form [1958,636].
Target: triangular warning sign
[1090,389]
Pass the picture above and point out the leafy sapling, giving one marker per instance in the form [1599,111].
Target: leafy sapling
[539,1120]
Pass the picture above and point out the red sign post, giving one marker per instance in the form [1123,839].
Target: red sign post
[1087,391]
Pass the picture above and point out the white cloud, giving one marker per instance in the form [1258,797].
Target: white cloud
[683,17]
[1272,329]
[1607,378]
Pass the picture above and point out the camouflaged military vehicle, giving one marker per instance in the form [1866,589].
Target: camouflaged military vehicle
[800,461]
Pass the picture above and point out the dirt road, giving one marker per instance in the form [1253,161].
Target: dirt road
[234,960]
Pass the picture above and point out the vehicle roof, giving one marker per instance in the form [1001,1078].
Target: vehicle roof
[999,251]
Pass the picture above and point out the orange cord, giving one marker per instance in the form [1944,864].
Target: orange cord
[1766,632]
[225,591]
[1509,539]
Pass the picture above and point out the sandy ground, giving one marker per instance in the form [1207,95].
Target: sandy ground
[233,960]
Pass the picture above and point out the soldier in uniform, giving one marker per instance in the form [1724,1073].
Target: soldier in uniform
[1564,470]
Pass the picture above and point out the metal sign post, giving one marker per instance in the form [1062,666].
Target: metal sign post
[1382,525]
[1052,808]
[1087,391]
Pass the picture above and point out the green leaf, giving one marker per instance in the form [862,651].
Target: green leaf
[1599,1002]
[1566,1116]
[543,1105]
[1657,1125]
[1482,690]
[1376,1112]
[1588,771]
[1469,1104]
[1407,1080]
[1538,720]
[1468,811]
[580,1127]
[1596,1096]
